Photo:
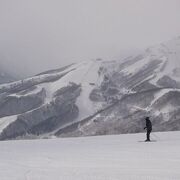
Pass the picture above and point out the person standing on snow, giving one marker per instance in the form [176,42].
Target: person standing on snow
[148,128]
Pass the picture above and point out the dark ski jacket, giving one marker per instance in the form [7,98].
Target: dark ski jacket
[148,125]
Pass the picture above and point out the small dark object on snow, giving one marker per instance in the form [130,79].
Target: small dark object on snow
[92,84]
[148,128]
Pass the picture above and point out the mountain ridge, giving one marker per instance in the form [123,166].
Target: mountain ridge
[96,97]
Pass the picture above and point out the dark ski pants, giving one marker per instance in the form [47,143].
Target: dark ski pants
[148,134]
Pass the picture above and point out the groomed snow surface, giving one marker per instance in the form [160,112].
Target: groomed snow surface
[120,157]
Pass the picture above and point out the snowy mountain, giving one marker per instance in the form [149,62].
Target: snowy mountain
[96,97]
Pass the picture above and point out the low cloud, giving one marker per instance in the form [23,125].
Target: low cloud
[38,35]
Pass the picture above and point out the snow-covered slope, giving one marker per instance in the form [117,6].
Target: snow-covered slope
[120,157]
[29,98]
[96,97]
[145,85]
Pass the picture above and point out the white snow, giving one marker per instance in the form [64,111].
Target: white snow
[158,74]
[167,108]
[86,106]
[170,52]
[84,74]
[5,121]
[119,157]
[36,79]
[34,91]
[132,69]
[160,94]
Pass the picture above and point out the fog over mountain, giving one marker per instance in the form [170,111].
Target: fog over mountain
[38,35]
[96,97]
[6,77]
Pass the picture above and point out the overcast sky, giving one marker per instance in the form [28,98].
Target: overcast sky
[37,35]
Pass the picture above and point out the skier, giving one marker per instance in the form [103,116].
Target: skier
[148,128]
